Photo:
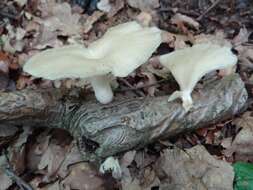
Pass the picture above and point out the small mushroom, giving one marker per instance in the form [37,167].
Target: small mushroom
[188,65]
[120,51]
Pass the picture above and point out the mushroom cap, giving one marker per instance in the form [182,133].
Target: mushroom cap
[127,46]
[70,61]
[121,50]
[188,65]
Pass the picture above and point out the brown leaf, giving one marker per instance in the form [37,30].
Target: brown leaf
[37,149]
[117,5]
[148,177]
[14,66]
[242,145]
[156,68]
[83,177]
[90,20]
[46,38]
[73,157]
[63,20]
[57,19]
[241,37]
[193,169]
[245,56]
[13,40]
[22,82]
[149,80]
[180,20]
[4,62]
[218,38]
[128,158]
[18,151]
[52,159]
[202,132]
[144,5]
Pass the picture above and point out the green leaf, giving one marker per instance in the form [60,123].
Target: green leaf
[243,176]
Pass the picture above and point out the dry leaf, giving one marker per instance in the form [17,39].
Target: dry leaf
[144,5]
[4,63]
[180,20]
[156,68]
[74,156]
[149,80]
[64,20]
[128,158]
[245,55]
[193,169]
[131,185]
[83,177]
[52,160]
[22,82]
[18,151]
[37,149]
[13,41]
[117,5]
[90,20]
[218,38]
[241,37]
[46,38]
[242,145]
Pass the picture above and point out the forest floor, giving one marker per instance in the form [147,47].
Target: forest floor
[43,158]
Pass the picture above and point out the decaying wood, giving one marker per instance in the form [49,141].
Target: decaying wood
[104,130]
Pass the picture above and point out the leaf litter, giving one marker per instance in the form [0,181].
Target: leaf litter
[49,162]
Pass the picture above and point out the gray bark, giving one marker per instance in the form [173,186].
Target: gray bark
[105,130]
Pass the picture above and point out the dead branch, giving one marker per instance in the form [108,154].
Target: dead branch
[104,130]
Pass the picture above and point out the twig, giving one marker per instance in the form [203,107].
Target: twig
[208,9]
[142,86]
[139,93]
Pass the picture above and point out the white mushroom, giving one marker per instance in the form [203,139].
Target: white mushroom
[120,51]
[188,65]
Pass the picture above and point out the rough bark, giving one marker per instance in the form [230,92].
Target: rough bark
[104,130]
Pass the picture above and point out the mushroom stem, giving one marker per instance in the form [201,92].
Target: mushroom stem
[185,97]
[102,88]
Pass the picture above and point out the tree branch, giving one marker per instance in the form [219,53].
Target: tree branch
[104,130]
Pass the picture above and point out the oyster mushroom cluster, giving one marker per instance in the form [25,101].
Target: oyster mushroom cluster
[121,50]
[189,65]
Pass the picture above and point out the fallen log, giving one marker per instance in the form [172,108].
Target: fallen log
[105,130]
